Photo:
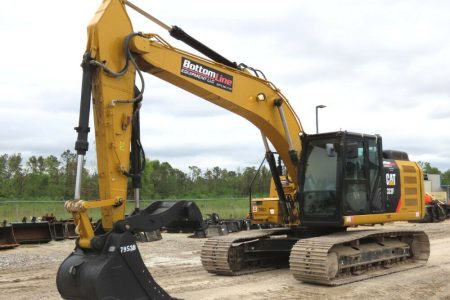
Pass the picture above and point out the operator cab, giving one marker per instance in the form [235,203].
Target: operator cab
[340,175]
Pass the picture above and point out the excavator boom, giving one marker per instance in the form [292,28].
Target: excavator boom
[107,257]
[114,53]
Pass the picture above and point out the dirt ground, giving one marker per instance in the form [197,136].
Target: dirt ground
[28,272]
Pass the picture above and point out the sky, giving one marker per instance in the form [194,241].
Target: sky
[379,67]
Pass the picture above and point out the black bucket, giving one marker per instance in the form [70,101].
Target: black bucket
[116,272]
[189,217]
[57,231]
[7,238]
[69,230]
[32,233]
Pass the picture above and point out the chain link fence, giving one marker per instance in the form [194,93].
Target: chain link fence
[16,210]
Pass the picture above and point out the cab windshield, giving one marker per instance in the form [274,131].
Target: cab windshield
[319,191]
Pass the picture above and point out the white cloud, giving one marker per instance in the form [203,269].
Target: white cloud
[379,66]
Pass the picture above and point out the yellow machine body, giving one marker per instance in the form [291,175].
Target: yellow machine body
[411,203]
[268,211]
[241,92]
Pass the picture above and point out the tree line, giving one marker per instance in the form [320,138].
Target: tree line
[429,169]
[53,178]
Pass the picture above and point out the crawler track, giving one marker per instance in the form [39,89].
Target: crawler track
[225,255]
[346,257]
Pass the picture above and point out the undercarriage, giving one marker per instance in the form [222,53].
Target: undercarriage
[327,259]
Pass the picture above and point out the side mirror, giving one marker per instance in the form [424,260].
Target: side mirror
[330,150]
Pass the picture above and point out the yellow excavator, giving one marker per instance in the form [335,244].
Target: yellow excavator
[332,181]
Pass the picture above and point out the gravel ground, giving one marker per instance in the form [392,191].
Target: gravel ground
[28,272]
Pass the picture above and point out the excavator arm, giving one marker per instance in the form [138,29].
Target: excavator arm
[114,54]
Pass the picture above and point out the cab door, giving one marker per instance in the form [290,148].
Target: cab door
[355,186]
[319,175]
[362,184]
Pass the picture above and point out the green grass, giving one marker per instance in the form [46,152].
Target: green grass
[226,208]
[15,210]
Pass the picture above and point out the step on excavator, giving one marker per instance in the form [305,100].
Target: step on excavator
[332,182]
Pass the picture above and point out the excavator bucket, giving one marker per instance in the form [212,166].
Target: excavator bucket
[115,272]
[57,231]
[7,238]
[181,223]
[32,233]
[69,230]
[113,267]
